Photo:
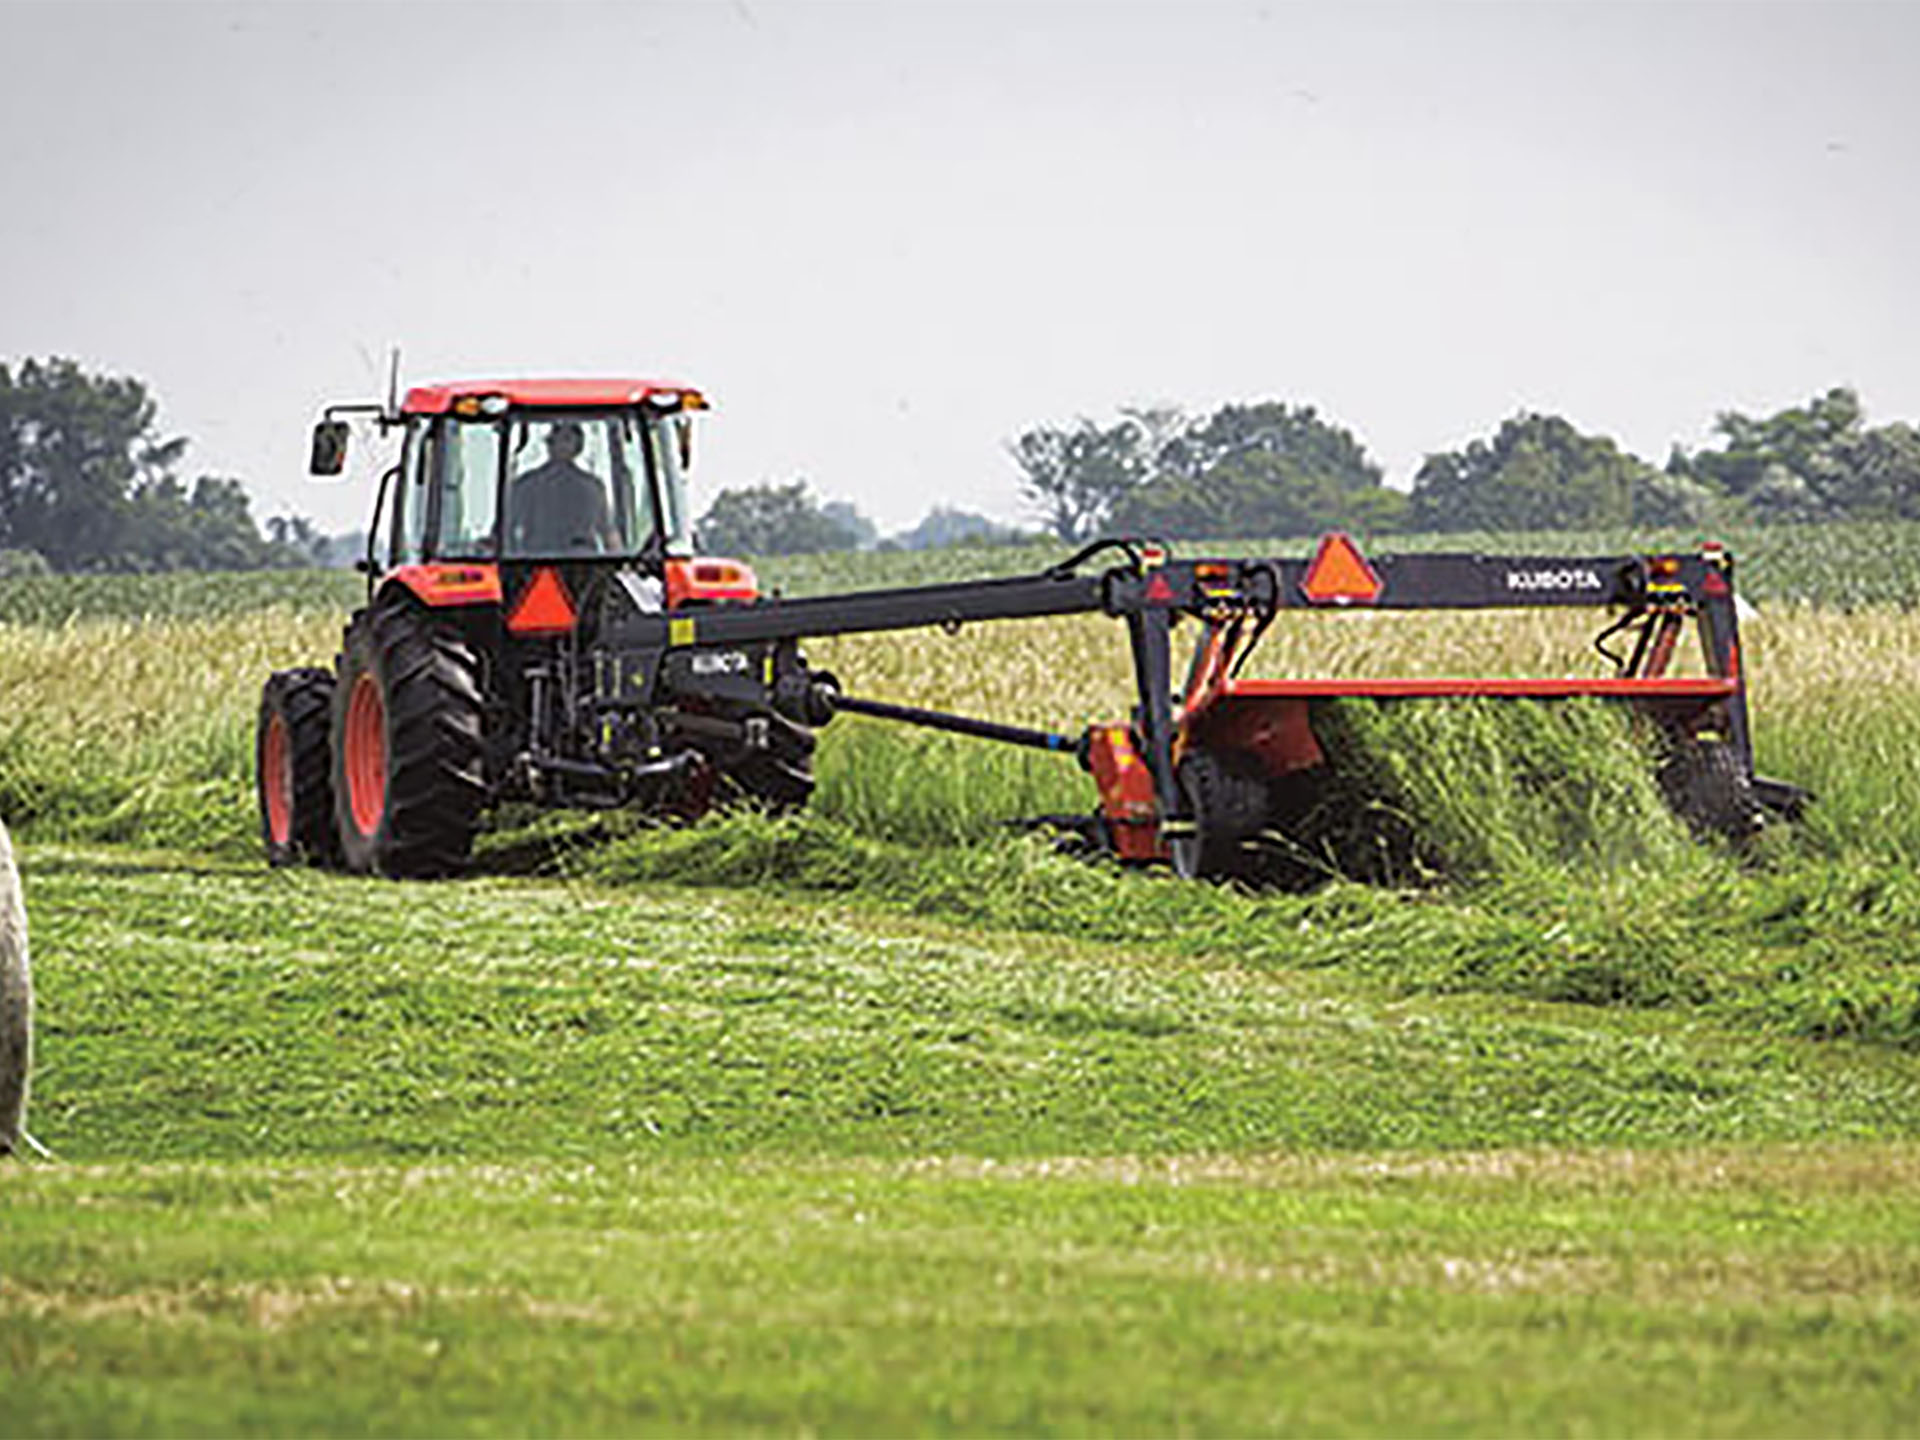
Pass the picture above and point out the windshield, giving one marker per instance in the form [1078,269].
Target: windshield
[669,440]
[565,483]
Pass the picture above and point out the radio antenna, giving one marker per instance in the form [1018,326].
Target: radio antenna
[392,414]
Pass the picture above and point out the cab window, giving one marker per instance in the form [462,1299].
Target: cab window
[469,489]
[410,497]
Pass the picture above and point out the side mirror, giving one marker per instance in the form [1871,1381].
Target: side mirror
[329,448]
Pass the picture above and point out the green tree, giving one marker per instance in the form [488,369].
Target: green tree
[862,533]
[71,448]
[87,481]
[770,520]
[1817,461]
[943,526]
[1539,473]
[1075,477]
[296,535]
[1261,469]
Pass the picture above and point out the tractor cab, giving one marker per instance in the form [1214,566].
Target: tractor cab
[515,473]
[541,470]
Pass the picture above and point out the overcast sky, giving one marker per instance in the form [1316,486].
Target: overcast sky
[887,238]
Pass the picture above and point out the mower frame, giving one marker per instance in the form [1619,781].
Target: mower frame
[749,654]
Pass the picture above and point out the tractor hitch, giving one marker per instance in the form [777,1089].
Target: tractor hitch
[554,779]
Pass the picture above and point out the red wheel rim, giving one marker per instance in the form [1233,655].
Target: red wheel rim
[276,780]
[366,754]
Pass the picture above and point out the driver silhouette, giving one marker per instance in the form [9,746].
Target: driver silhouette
[560,507]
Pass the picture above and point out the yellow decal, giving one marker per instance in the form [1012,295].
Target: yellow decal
[680,632]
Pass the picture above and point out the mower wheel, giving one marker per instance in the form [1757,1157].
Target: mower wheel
[1229,797]
[409,778]
[780,777]
[293,768]
[1705,783]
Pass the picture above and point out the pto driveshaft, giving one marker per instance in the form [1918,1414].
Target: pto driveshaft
[953,724]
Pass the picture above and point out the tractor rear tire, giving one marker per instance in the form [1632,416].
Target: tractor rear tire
[1230,798]
[1708,787]
[293,768]
[780,777]
[409,777]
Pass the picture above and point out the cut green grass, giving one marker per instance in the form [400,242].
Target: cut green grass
[1792,947]
[514,1155]
[195,1010]
[1540,1292]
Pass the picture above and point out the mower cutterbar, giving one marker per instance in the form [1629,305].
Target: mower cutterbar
[1195,777]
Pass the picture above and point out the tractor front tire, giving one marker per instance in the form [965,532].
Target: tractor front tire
[409,777]
[293,768]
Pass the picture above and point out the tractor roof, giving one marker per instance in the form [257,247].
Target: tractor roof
[438,399]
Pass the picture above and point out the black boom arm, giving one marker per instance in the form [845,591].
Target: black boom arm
[748,653]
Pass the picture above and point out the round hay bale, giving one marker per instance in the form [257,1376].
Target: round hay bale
[16,1004]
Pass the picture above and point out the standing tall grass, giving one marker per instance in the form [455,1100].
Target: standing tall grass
[1836,708]
[143,729]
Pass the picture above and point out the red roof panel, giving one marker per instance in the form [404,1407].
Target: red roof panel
[438,399]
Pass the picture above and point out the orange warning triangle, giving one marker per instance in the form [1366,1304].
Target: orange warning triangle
[544,607]
[1340,574]
[1159,592]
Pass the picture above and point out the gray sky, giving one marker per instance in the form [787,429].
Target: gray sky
[887,238]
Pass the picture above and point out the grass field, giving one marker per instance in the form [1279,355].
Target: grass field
[884,1120]
[532,1156]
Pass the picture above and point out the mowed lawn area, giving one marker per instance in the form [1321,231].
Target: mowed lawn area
[549,1155]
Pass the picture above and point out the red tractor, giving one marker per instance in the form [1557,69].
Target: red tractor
[520,516]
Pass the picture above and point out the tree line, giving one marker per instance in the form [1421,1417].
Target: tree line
[89,482]
[1273,469]
[788,519]
[1277,469]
